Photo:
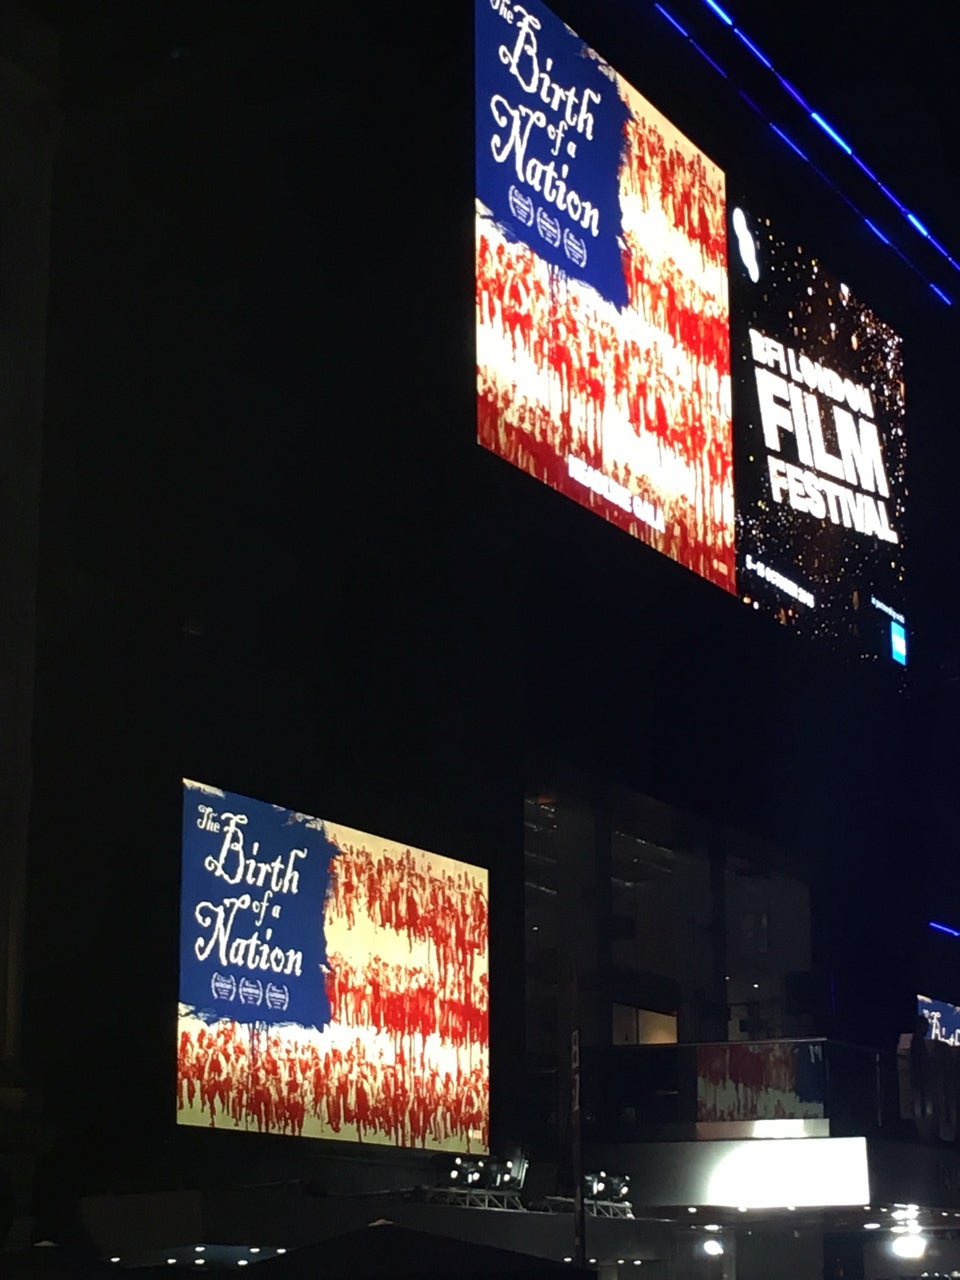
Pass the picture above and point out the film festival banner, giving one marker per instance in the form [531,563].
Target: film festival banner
[602,315]
[820,448]
[332,984]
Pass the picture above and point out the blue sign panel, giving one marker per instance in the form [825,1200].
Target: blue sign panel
[898,642]
[255,878]
[550,131]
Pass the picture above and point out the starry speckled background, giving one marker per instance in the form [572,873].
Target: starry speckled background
[801,304]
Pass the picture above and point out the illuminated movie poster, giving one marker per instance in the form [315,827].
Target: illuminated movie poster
[943,1019]
[603,353]
[821,454]
[332,984]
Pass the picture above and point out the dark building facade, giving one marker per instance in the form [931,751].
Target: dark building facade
[272,556]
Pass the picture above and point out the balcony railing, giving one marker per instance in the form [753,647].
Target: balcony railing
[767,1088]
[764,1088]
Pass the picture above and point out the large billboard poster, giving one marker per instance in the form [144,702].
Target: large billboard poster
[333,984]
[820,447]
[603,344]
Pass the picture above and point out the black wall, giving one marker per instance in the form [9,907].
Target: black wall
[274,558]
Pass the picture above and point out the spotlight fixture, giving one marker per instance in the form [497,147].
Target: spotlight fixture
[607,1186]
[490,1173]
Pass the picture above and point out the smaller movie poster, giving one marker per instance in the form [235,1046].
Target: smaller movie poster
[333,984]
[774,1081]
[943,1019]
[819,407]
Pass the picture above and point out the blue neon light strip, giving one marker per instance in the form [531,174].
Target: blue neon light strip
[672,20]
[798,97]
[866,169]
[803,156]
[938,246]
[703,54]
[944,928]
[721,13]
[790,143]
[876,231]
[757,53]
[832,133]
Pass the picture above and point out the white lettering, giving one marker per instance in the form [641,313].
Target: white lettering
[860,453]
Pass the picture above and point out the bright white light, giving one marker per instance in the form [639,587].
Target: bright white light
[281,1251]
[568,1259]
[713,1248]
[909,1246]
[748,250]
[114,1259]
[199,1261]
[871,1226]
[200,1248]
[712,1226]
[254,1248]
[798,1171]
